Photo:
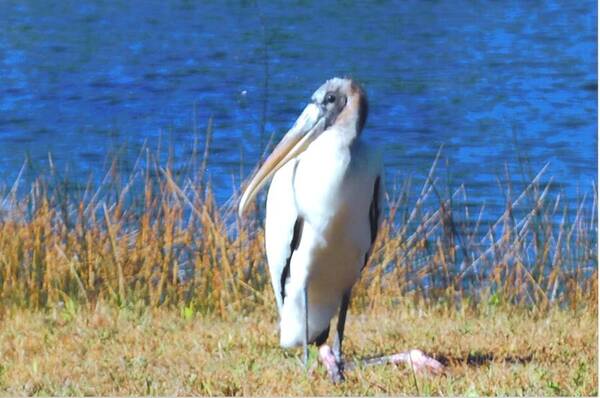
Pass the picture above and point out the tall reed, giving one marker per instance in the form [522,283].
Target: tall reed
[157,235]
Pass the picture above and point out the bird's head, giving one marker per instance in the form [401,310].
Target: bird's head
[340,102]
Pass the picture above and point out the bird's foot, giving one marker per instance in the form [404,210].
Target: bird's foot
[335,368]
[419,362]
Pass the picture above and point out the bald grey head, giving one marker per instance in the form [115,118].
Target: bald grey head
[342,100]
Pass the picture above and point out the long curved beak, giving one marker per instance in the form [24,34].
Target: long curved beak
[308,126]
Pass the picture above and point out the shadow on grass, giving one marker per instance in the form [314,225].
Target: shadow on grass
[481,358]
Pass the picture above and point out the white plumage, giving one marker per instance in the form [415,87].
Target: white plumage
[323,210]
[330,186]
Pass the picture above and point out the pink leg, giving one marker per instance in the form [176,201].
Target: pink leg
[326,356]
[415,359]
[420,362]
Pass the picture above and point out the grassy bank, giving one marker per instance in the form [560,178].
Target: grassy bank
[127,286]
[495,350]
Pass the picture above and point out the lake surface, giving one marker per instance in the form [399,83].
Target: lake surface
[494,82]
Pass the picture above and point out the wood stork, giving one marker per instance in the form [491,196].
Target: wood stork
[323,211]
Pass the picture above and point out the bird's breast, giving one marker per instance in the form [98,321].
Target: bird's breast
[319,183]
[332,193]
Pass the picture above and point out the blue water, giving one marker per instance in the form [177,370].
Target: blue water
[499,84]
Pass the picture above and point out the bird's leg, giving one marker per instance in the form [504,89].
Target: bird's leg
[305,342]
[339,335]
[415,359]
[332,359]
[327,357]
[418,361]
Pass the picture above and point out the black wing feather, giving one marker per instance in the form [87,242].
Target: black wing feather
[373,217]
[298,225]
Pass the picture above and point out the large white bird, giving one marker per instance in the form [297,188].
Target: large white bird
[323,211]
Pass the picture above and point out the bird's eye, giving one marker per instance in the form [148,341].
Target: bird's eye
[330,99]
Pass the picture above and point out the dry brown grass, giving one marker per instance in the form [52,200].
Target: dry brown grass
[140,350]
[92,283]
[157,236]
